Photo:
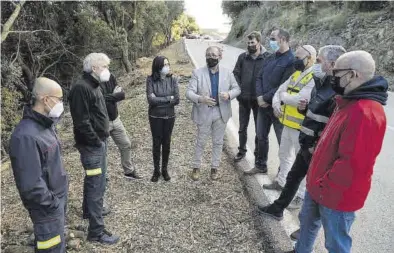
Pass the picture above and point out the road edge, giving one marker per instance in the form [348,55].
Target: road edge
[271,232]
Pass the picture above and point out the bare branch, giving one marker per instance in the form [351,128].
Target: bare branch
[7,26]
[17,52]
[29,31]
[54,63]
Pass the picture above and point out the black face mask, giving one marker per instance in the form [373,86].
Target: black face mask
[299,64]
[252,49]
[212,62]
[335,84]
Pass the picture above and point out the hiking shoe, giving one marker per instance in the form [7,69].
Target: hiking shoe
[256,170]
[214,174]
[239,157]
[274,186]
[105,238]
[270,211]
[295,204]
[195,174]
[132,175]
[295,235]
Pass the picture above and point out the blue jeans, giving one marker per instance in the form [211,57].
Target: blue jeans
[336,225]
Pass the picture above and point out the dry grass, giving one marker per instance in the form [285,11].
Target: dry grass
[177,216]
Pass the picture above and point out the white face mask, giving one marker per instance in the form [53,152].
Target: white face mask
[165,70]
[56,111]
[317,70]
[104,75]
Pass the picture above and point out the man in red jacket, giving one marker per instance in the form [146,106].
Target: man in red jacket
[339,176]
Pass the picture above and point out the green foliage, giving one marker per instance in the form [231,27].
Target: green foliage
[65,32]
[184,25]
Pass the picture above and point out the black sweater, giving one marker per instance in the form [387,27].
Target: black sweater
[111,98]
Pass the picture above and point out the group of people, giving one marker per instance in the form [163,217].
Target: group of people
[325,107]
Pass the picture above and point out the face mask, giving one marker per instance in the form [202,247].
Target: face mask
[165,70]
[212,62]
[274,45]
[252,49]
[299,64]
[104,75]
[317,71]
[56,111]
[335,84]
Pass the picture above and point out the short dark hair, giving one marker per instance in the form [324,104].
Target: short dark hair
[283,34]
[254,35]
[157,65]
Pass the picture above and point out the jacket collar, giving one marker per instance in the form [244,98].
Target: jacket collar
[90,79]
[29,113]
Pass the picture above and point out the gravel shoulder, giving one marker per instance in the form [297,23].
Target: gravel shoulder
[177,216]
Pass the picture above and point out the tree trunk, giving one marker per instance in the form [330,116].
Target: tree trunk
[125,55]
[7,26]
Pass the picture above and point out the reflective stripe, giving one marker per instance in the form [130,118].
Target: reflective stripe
[50,243]
[307,131]
[294,119]
[316,117]
[93,172]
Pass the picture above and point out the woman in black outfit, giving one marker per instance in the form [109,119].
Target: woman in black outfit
[163,94]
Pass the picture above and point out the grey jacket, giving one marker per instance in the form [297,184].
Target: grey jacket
[200,85]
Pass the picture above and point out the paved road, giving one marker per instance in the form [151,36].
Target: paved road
[374,226]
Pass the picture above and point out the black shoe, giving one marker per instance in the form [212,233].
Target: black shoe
[274,186]
[239,157]
[295,235]
[155,177]
[291,251]
[270,211]
[132,175]
[165,175]
[105,238]
[256,170]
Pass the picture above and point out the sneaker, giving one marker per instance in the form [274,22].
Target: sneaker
[106,210]
[256,170]
[239,157]
[269,211]
[214,174]
[295,204]
[195,174]
[295,235]
[132,175]
[105,238]
[274,186]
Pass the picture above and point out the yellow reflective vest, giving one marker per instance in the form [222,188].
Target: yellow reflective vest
[291,117]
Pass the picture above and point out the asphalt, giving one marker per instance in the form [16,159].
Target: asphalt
[374,225]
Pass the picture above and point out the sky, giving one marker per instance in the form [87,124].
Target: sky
[208,14]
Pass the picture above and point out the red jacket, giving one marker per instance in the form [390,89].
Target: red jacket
[340,172]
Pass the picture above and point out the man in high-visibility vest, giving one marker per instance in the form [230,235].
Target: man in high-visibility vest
[285,101]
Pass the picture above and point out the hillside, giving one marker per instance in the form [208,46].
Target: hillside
[369,27]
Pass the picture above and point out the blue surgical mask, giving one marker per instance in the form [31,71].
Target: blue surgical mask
[274,45]
[165,70]
[317,71]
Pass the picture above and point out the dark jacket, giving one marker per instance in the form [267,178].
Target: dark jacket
[88,111]
[162,106]
[276,70]
[318,111]
[245,72]
[111,98]
[340,173]
[37,163]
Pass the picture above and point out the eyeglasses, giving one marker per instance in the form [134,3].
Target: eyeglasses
[213,56]
[336,71]
[272,39]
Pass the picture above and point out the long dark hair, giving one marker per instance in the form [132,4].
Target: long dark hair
[157,65]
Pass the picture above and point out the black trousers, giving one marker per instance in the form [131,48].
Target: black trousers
[161,137]
[48,228]
[94,162]
[296,175]
[265,119]
[246,106]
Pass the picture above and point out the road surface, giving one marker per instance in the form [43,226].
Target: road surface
[374,226]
